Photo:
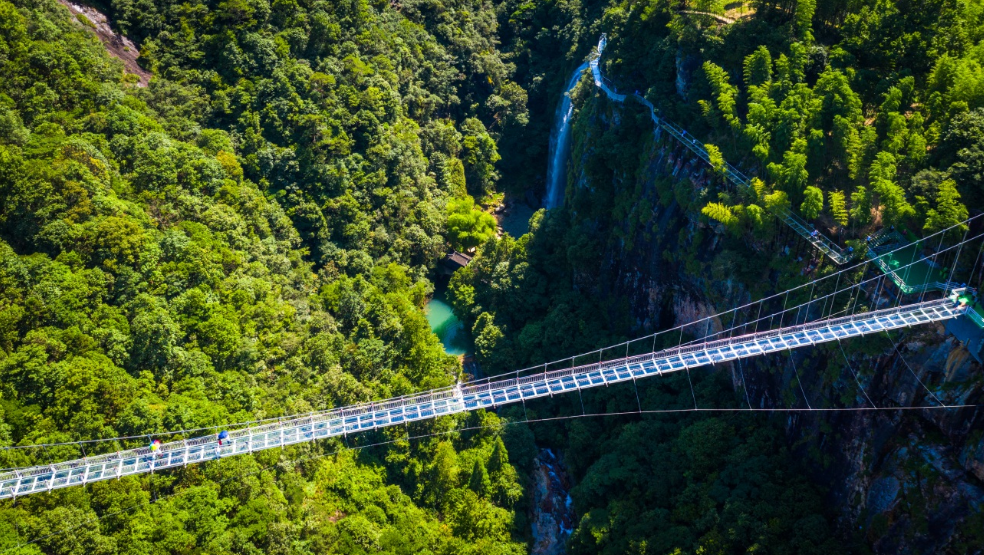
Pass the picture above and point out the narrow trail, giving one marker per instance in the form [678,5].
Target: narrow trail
[723,19]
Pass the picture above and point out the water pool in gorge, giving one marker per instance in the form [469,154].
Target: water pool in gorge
[446,325]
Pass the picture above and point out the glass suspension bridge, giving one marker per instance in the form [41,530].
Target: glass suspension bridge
[845,304]
[824,310]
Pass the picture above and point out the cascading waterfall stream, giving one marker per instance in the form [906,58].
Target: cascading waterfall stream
[560,145]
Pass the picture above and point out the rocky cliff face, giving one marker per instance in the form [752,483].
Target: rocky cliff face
[117,45]
[905,481]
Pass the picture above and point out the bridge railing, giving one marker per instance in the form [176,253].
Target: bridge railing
[883,236]
[975,317]
[366,416]
[817,239]
[933,305]
[900,282]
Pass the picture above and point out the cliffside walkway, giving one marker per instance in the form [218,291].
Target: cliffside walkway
[806,230]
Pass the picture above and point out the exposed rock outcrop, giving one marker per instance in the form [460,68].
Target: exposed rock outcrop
[116,44]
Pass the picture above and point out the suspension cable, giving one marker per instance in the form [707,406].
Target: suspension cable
[544,366]
[880,279]
[902,358]
[856,379]
[799,381]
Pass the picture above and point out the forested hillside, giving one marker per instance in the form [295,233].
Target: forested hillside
[256,233]
[248,237]
[861,115]
[858,116]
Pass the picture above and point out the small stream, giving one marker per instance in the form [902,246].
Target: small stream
[553,508]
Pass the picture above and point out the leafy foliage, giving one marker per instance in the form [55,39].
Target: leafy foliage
[699,486]
[906,89]
[948,212]
[721,213]
[468,226]
[812,202]
[247,237]
[717,159]
[838,207]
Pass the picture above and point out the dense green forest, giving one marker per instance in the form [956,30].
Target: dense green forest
[248,237]
[821,102]
[256,234]
[858,115]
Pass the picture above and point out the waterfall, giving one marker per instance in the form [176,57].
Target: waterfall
[560,145]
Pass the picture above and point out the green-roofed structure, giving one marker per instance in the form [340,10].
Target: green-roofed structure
[906,266]
[911,272]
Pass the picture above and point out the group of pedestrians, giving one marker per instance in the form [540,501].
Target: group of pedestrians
[155,445]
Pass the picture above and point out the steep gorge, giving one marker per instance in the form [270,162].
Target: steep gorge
[252,235]
[903,481]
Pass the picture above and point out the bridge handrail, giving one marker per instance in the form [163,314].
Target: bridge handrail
[818,324]
[453,399]
[467,389]
[899,281]
[973,315]
[445,393]
[818,240]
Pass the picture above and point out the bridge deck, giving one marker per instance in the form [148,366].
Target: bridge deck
[465,398]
